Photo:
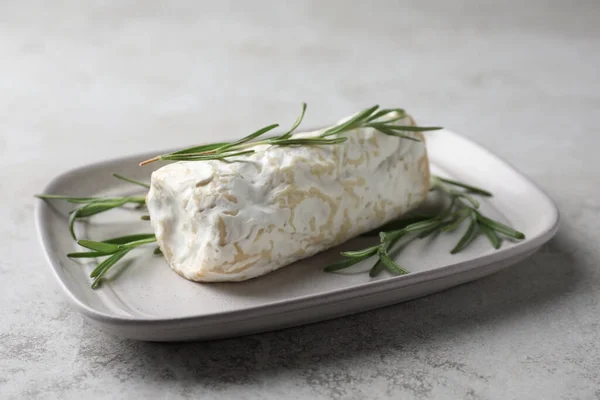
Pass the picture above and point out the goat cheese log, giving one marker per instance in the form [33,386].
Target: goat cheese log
[231,221]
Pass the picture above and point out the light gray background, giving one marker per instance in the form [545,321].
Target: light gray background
[82,81]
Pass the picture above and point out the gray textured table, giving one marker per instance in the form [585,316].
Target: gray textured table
[81,82]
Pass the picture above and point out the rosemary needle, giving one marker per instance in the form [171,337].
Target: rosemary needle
[142,184]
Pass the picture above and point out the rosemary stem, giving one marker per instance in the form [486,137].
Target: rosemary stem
[151,160]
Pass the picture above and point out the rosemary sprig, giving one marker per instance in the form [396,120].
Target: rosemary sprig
[463,207]
[95,205]
[115,249]
[373,117]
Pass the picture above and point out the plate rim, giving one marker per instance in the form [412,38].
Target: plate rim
[297,303]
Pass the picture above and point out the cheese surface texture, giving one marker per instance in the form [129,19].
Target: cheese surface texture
[219,221]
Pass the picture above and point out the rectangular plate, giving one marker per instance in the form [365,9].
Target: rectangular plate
[150,302]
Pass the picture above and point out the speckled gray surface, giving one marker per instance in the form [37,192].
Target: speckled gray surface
[80,82]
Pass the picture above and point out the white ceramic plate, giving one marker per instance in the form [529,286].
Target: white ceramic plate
[150,302]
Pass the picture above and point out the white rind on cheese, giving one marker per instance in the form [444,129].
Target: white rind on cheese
[218,221]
